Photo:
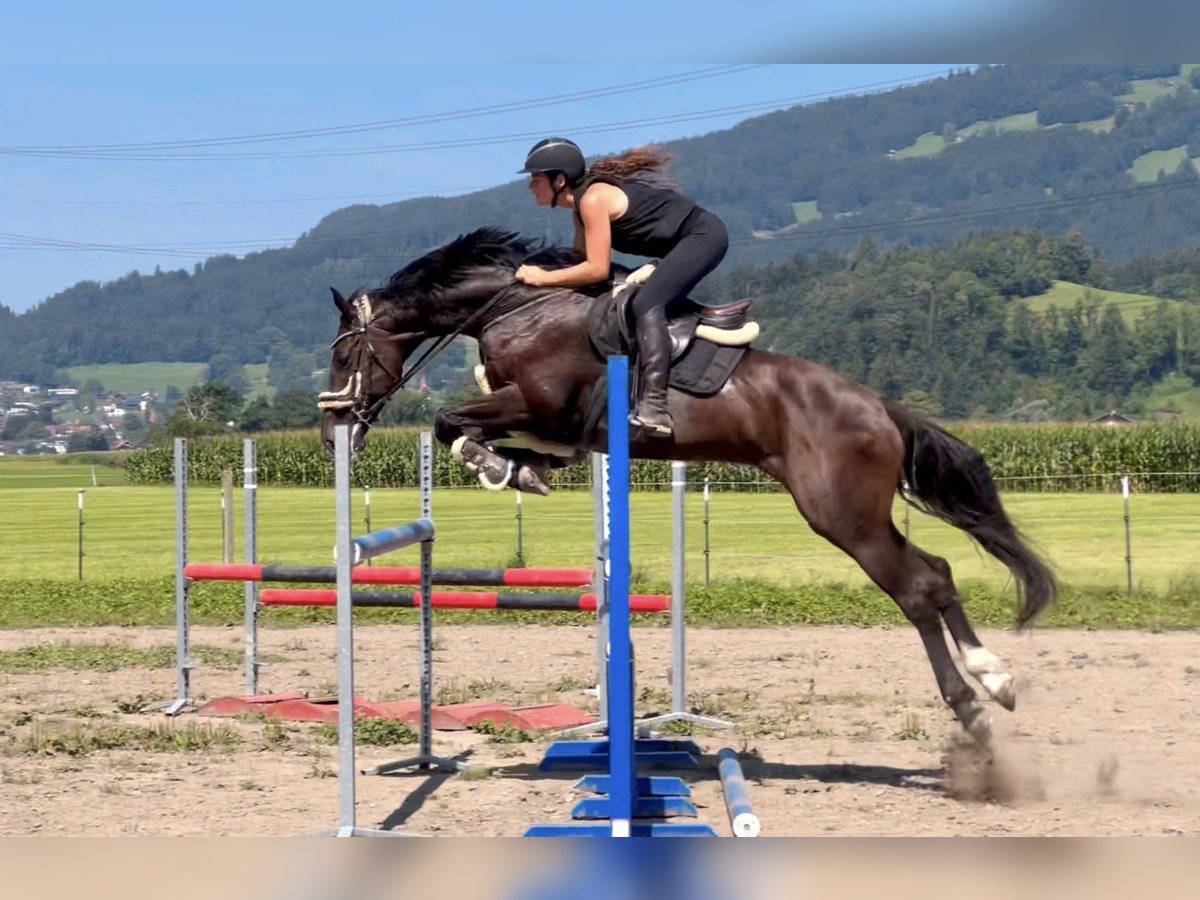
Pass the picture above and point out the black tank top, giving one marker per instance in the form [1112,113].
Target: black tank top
[650,226]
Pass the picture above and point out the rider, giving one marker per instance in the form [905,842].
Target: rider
[623,203]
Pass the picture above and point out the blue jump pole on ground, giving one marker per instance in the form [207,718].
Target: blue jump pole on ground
[629,803]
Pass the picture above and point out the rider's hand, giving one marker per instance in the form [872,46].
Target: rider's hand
[532,275]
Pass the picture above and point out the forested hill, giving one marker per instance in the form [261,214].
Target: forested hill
[1104,150]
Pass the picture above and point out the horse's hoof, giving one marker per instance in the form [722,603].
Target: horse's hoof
[456,449]
[530,482]
[979,727]
[1002,688]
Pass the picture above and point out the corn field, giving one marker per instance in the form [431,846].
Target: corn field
[1025,458]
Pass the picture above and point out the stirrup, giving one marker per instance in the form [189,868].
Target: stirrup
[665,426]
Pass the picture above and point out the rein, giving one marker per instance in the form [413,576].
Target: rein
[351,396]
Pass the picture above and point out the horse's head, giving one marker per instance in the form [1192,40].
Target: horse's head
[439,295]
[366,368]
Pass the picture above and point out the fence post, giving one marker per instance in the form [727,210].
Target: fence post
[227,516]
[520,533]
[367,507]
[1128,542]
[81,492]
[250,555]
[707,573]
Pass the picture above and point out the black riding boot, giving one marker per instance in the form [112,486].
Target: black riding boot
[654,360]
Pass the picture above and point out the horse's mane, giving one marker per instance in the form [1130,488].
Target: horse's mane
[419,282]
[442,268]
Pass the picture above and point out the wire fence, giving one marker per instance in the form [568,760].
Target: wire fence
[1115,531]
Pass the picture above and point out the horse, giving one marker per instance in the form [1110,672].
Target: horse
[840,449]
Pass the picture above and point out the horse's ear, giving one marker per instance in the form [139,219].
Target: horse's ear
[342,304]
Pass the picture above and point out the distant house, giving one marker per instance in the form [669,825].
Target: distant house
[1112,419]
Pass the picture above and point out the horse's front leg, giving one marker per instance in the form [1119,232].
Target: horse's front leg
[468,428]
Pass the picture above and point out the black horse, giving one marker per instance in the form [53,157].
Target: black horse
[840,449]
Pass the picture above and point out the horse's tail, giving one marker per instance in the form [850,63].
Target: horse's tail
[951,480]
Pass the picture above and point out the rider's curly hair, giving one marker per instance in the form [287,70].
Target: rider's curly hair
[649,160]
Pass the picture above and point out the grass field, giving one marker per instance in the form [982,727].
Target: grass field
[806,211]
[1065,294]
[133,378]
[1150,89]
[1147,167]
[72,471]
[1026,121]
[130,532]
[928,144]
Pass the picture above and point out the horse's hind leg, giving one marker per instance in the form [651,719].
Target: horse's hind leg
[980,663]
[856,516]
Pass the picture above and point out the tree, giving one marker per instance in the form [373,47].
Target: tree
[211,402]
[225,368]
[290,370]
[82,441]
[1108,360]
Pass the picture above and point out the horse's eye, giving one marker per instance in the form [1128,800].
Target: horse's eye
[342,360]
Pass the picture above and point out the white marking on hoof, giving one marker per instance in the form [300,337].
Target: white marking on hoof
[985,666]
[456,450]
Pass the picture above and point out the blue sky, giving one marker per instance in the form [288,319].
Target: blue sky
[81,73]
[181,210]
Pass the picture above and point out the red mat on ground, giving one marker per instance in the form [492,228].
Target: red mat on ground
[454,717]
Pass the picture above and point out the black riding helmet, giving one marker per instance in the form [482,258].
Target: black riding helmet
[553,155]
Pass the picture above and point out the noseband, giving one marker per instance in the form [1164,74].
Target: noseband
[354,395]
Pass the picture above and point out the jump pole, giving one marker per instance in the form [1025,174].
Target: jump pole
[250,555]
[424,760]
[678,673]
[742,820]
[626,798]
[344,562]
[183,663]
[477,600]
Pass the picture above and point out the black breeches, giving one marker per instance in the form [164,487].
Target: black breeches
[698,252]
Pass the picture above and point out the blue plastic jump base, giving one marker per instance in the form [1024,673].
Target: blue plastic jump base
[593,755]
[626,805]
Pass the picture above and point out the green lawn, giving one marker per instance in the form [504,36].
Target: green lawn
[1150,89]
[70,471]
[130,532]
[1026,121]
[133,378]
[928,144]
[1065,294]
[1147,167]
[806,211]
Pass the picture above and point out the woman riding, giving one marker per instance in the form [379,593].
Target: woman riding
[619,206]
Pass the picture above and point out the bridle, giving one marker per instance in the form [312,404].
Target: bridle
[354,395]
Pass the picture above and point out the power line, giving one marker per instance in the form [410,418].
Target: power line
[482,141]
[916,222]
[428,118]
[30,242]
[430,193]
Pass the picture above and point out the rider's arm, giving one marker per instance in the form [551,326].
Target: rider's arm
[593,230]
